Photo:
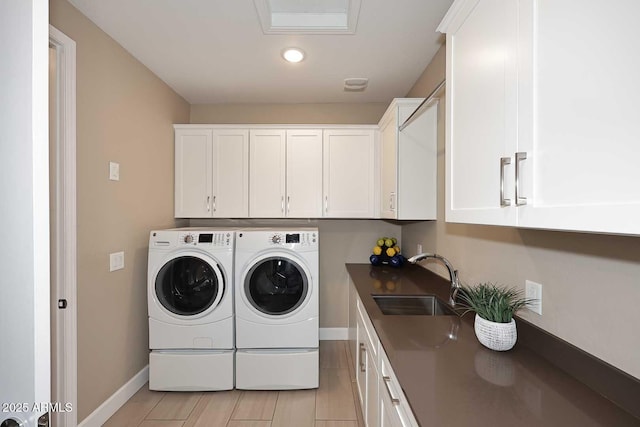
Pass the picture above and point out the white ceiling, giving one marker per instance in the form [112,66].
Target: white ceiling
[214,51]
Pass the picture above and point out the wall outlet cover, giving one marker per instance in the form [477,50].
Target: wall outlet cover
[114,171]
[533,290]
[116,261]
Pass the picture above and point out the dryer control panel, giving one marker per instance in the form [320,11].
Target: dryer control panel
[302,238]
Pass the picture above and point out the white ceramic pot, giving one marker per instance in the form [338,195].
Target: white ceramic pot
[496,336]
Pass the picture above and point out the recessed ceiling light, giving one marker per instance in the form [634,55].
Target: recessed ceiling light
[293,54]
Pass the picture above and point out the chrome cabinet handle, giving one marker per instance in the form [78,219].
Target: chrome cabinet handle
[503,161]
[394,400]
[520,201]
[208,204]
[288,204]
[363,349]
[282,204]
[326,204]
[214,204]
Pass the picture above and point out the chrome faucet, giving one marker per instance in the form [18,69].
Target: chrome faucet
[453,274]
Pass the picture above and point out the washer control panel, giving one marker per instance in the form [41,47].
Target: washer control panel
[218,239]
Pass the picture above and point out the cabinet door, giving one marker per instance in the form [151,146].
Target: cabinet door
[389,165]
[193,191]
[304,173]
[230,173]
[581,171]
[267,175]
[481,110]
[361,363]
[349,176]
[372,411]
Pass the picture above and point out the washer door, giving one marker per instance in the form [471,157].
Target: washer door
[276,285]
[189,285]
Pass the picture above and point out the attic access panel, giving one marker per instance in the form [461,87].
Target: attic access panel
[308,16]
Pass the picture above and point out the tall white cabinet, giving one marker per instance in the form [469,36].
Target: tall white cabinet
[211,173]
[542,124]
[408,173]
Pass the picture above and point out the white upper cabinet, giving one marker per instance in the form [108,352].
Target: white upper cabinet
[267,175]
[304,173]
[349,173]
[542,116]
[230,173]
[211,173]
[408,177]
[193,173]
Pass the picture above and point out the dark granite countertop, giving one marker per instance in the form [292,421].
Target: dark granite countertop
[458,382]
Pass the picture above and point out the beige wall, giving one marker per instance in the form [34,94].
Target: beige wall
[591,283]
[355,114]
[124,114]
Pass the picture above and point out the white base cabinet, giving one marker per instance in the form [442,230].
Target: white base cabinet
[542,127]
[381,398]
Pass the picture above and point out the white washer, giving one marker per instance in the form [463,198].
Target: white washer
[190,300]
[277,308]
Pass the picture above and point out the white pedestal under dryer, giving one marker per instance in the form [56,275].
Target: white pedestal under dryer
[277,309]
[190,300]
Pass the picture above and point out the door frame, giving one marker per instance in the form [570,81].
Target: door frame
[66,230]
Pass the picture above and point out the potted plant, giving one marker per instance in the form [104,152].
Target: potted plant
[494,306]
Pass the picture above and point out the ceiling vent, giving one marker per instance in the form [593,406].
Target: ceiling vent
[308,16]
[358,84]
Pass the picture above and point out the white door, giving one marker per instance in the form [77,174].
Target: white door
[581,171]
[304,173]
[349,175]
[481,112]
[193,169]
[267,154]
[230,173]
[24,316]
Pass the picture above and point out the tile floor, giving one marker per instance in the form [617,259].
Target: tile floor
[333,404]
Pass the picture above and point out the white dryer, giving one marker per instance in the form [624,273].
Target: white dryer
[277,308]
[190,300]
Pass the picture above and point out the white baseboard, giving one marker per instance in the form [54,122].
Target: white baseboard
[334,334]
[117,399]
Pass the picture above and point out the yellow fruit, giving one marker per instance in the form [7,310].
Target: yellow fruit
[395,241]
[397,249]
[380,242]
[388,243]
[377,250]
[390,252]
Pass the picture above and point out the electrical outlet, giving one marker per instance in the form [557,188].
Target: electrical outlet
[114,171]
[533,290]
[116,261]
[419,248]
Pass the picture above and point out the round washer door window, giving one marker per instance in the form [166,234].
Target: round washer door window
[276,286]
[188,286]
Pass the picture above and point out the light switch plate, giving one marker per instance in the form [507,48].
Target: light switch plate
[116,261]
[114,171]
[533,290]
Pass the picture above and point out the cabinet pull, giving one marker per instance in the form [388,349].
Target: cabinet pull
[214,204]
[503,161]
[326,204]
[387,380]
[363,350]
[520,201]
[282,204]
[208,204]
[288,204]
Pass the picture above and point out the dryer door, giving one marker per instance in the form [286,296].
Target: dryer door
[189,285]
[276,285]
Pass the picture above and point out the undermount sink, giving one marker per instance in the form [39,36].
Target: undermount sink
[412,305]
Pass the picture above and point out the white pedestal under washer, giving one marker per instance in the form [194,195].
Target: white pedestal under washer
[277,308]
[190,303]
